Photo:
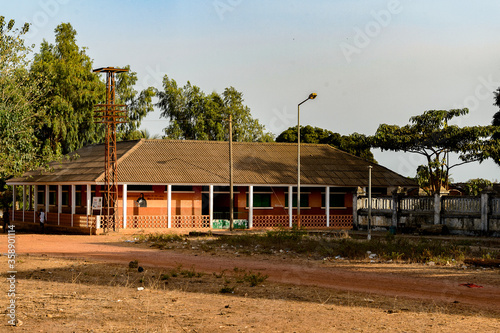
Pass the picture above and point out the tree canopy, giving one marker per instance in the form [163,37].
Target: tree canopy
[73,92]
[195,115]
[431,136]
[19,118]
[355,144]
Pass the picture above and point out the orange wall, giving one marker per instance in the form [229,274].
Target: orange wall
[191,203]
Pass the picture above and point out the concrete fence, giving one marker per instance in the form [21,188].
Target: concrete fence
[478,215]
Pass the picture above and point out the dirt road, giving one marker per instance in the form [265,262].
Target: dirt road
[378,280]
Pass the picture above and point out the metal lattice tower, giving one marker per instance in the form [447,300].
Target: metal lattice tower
[110,114]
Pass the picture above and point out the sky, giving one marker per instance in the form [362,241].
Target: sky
[370,62]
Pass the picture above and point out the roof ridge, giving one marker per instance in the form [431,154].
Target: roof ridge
[237,142]
[127,153]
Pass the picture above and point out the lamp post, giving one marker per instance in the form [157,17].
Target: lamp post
[369,237]
[311,96]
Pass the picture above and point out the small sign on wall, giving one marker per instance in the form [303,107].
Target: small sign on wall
[97,203]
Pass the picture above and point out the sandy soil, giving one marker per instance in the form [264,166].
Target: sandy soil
[84,284]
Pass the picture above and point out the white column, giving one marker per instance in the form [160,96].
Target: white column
[211,204]
[35,202]
[169,206]
[73,203]
[13,202]
[327,205]
[89,203]
[290,205]
[24,200]
[59,203]
[124,200]
[250,206]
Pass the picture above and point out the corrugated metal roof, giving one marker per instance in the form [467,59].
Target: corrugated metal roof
[207,162]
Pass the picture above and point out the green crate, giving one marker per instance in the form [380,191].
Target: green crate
[224,224]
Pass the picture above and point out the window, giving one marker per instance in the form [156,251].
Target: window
[41,195]
[304,200]
[65,195]
[78,197]
[261,200]
[52,195]
[337,200]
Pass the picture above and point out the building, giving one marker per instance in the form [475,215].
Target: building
[185,184]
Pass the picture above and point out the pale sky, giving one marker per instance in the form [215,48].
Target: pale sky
[370,62]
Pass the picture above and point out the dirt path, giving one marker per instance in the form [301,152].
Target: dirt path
[111,248]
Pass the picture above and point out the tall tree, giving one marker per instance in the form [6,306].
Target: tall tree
[495,151]
[73,91]
[355,144]
[197,116]
[431,136]
[139,104]
[19,118]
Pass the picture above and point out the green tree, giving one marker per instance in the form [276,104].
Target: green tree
[139,104]
[475,186]
[19,117]
[431,136]
[196,116]
[73,91]
[495,150]
[355,144]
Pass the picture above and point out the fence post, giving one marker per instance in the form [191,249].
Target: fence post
[437,208]
[484,212]
[355,210]
[395,207]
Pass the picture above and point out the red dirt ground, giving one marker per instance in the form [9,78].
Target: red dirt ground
[379,280]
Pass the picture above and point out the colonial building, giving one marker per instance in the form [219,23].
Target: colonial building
[186,184]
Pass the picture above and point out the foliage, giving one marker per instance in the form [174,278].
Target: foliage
[355,144]
[68,123]
[431,136]
[138,105]
[74,90]
[19,117]
[475,186]
[495,151]
[196,116]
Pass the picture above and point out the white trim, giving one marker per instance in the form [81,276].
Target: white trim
[211,204]
[250,204]
[169,206]
[327,208]
[124,204]
[73,202]
[290,209]
[88,192]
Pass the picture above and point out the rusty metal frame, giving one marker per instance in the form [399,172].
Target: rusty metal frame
[110,114]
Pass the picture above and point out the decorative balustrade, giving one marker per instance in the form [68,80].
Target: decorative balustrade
[378,203]
[495,206]
[423,204]
[307,221]
[461,204]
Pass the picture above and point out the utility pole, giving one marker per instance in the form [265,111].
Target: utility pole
[231,194]
[110,114]
[369,237]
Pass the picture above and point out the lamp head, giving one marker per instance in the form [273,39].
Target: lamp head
[312,96]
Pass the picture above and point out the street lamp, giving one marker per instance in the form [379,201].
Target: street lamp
[311,96]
